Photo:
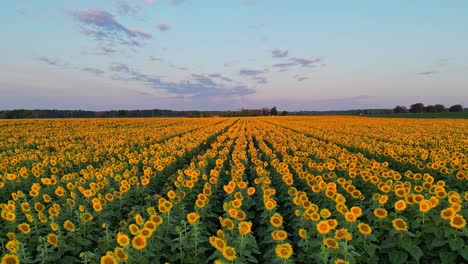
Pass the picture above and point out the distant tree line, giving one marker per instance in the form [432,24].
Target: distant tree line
[421,108]
[25,113]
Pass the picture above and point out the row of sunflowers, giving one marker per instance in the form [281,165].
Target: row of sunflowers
[226,190]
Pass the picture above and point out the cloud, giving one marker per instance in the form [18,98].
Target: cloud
[197,86]
[104,26]
[260,80]
[427,72]
[219,76]
[102,50]
[154,58]
[53,62]
[278,53]
[92,70]
[162,26]
[119,67]
[124,8]
[178,2]
[306,62]
[284,64]
[247,72]
[181,68]
[48,61]
[149,2]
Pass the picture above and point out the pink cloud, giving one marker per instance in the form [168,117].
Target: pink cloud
[162,26]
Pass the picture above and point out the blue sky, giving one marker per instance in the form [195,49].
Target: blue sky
[232,54]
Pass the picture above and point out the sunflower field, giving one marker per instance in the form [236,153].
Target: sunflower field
[234,190]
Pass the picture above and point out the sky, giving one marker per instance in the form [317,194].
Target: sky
[232,54]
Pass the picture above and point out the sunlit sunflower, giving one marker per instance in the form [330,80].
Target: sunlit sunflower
[364,229]
[331,243]
[10,259]
[24,228]
[193,218]
[457,221]
[245,227]
[69,226]
[284,251]
[302,233]
[139,242]
[229,253]
[380,213]
[323,227]
[400,225]
[276,220]
[52,239]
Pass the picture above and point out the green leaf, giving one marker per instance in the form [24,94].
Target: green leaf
[415,252]
[438,243]
[464,252]
[456,244]
[405,242]
[398,257]
[370,249]
[447,257]
[388,244]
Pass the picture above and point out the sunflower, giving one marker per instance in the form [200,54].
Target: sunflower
[241,215]
[270,204]
[108,259]
[52,239]
[447,213]
[146,232]
[139,220]
[331,243]
[25,228]
[284,251]
[325,213]
[457,221]
[302,233]
[229,253]
[333,223]
[150,225]
[139,242]
[341,261]
[350,217]
[276,220]
[217,243]
[356,210]
[341,233]
[400,205]
[120,254]
[323,227]
[228,223]
[245,227]
[380,213]
[193,218]
[425,206]
[68,225]
[400,225]
[10,259]
[364,229]
[134,229]
[279,235]
[123,240]
[157,219]
[250,191]
[12,246]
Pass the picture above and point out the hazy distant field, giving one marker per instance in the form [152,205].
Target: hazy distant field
[457,115]
[322,189]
